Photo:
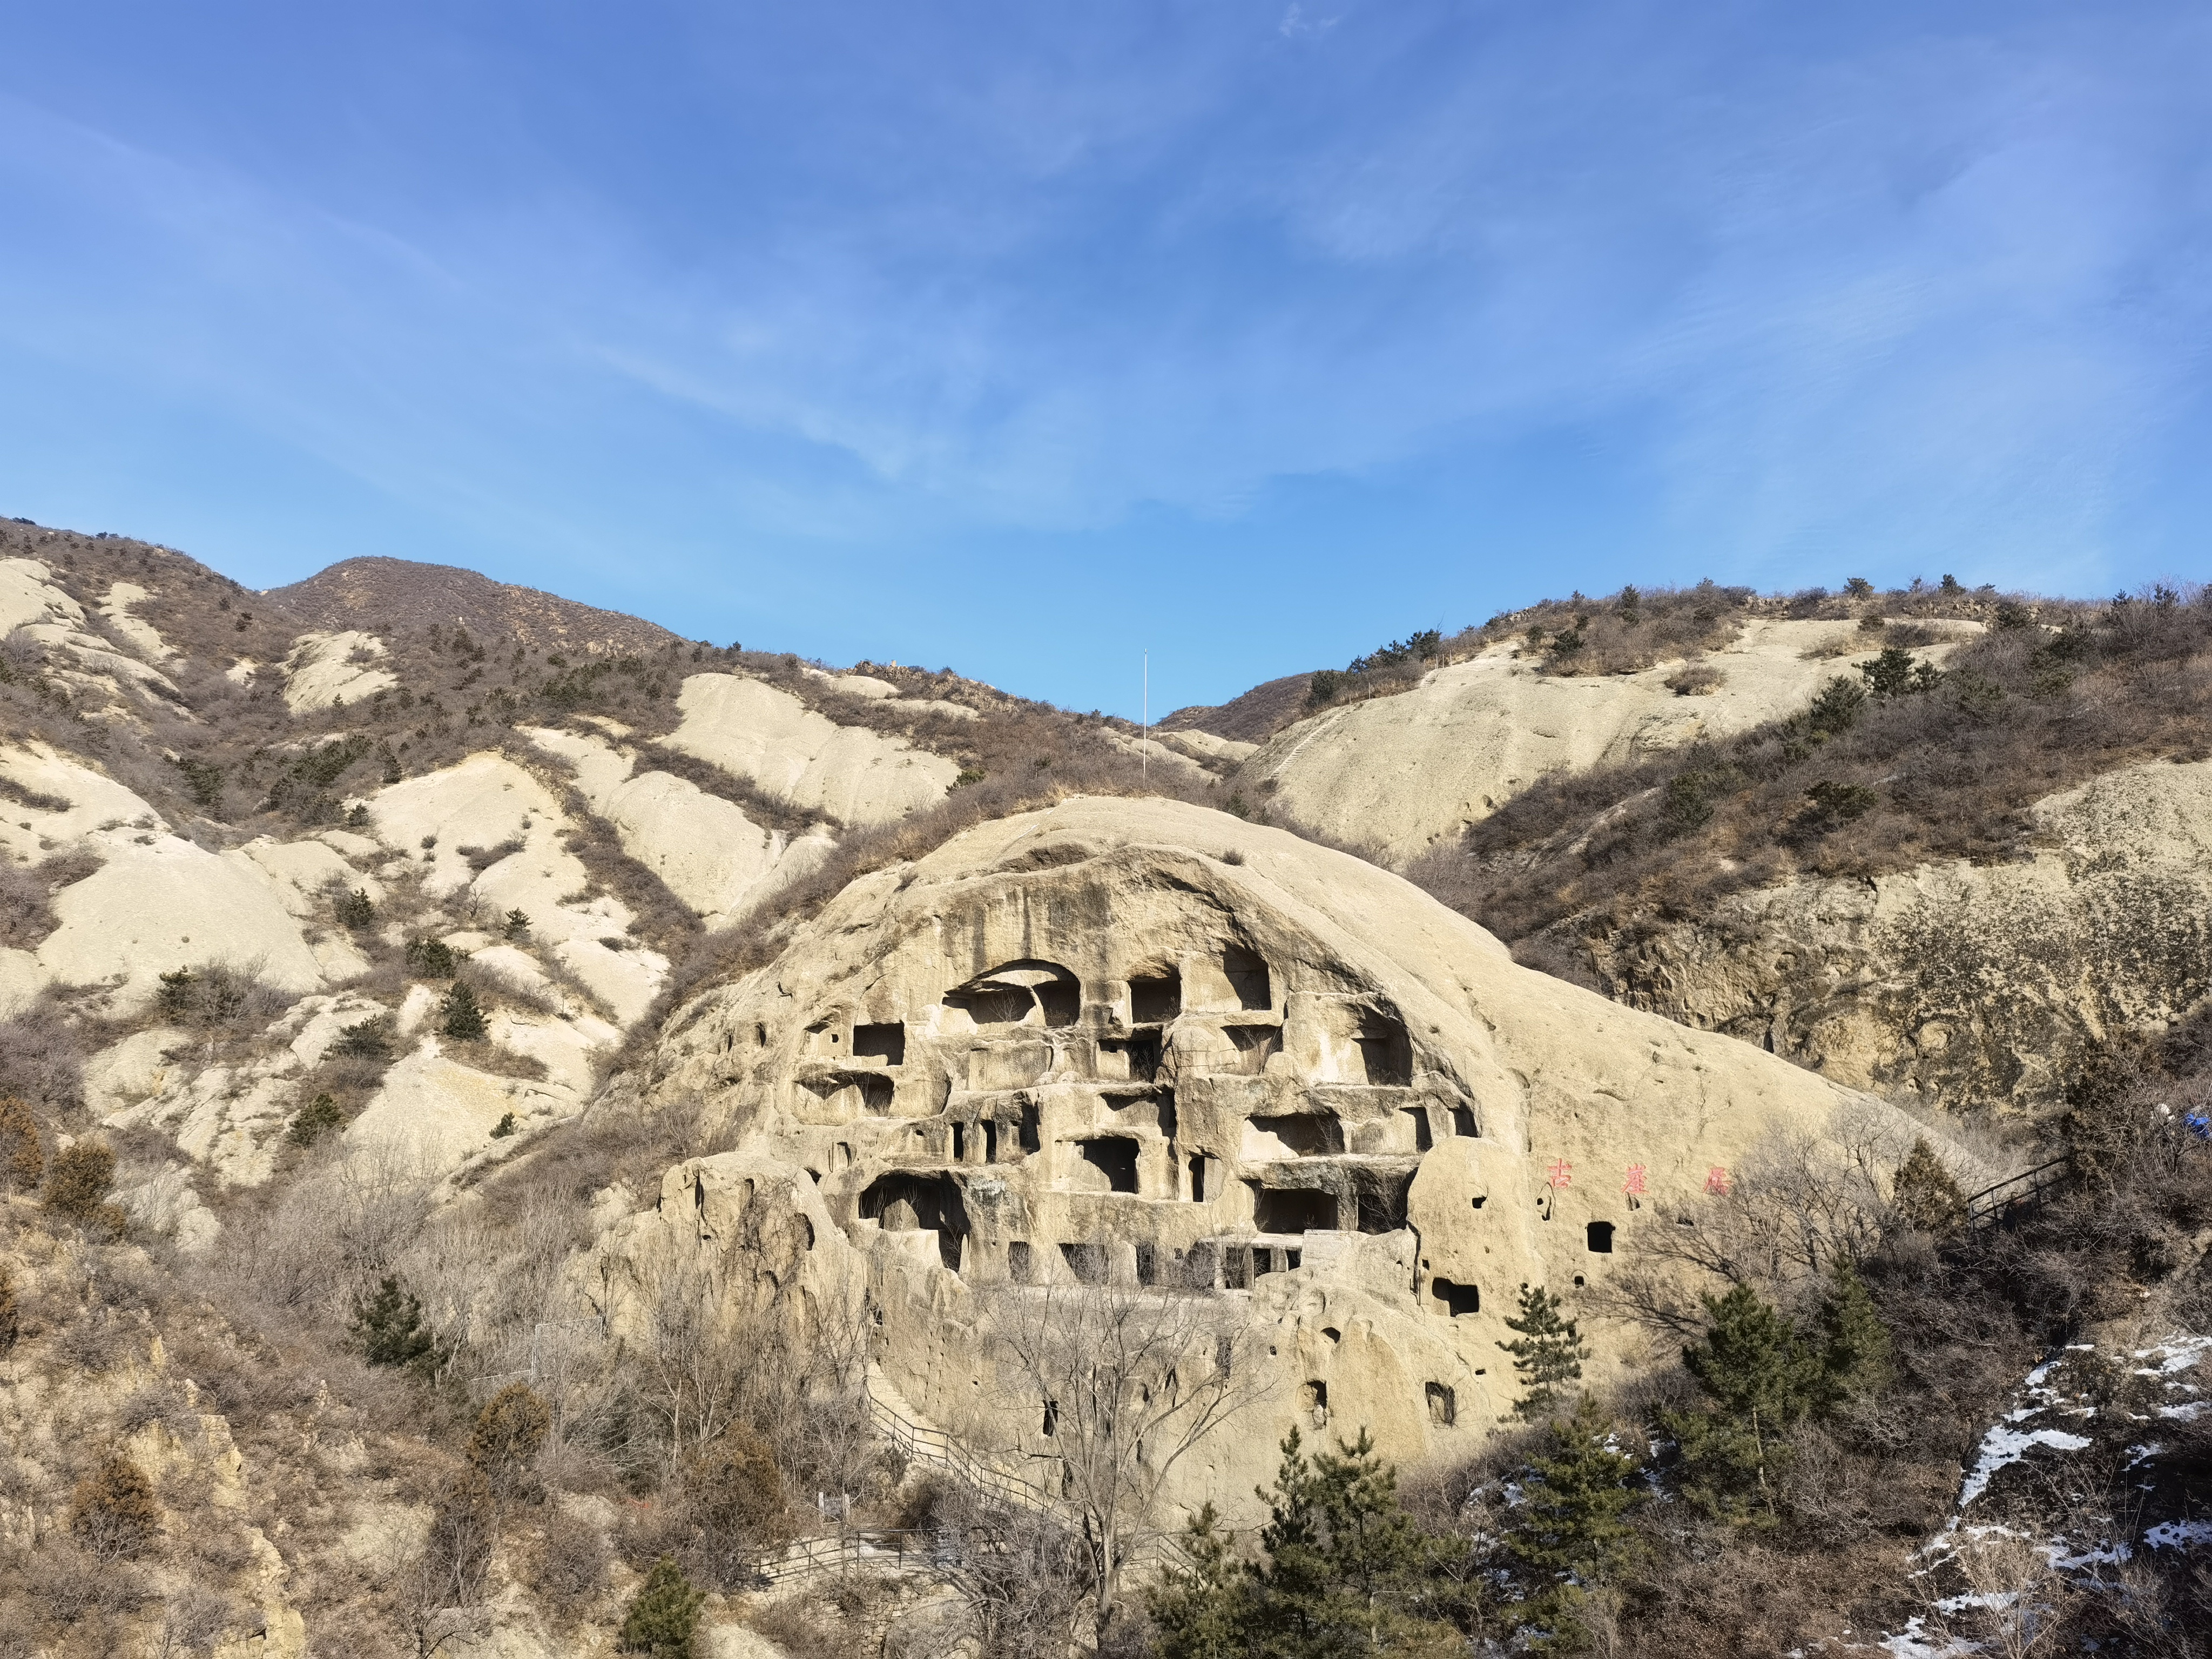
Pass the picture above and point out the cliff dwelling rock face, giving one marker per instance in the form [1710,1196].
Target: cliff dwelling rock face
[1403,773]
[1968,986]
[1141,1043]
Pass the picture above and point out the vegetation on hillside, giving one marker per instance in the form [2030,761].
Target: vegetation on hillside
[1889,766]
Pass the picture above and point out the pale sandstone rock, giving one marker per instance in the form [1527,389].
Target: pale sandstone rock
[488,801]
[774,742]
[980,1051]
[170,904]
[241,672]
[431,1114]
[135,1069]
[95,798]
[852,685]
[28,596]
[1966,986]
[1205,746]
[306,871]
[142,633]
[1403,772]
[710,854]
[320,670]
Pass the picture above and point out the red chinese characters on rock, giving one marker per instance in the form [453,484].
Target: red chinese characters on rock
[1561,1174]
[1717,1180]
[1633,1185]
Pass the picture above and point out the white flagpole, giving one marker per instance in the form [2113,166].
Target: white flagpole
[1144,744]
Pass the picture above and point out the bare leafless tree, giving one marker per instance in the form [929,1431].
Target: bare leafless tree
[1130,1381]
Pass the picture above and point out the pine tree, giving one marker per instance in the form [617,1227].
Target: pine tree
[663,1619]
[1345,1566]
[464,1019]
[1199,1614]
[1855,1349]
[389,1327]
[1762,1380]
[1569,1530]
[1924,1197]
[1548,1353]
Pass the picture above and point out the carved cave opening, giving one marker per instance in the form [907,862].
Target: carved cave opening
[1114,1157]
[1154,997]
[886,1042]
[902,1202]
[1293,1210]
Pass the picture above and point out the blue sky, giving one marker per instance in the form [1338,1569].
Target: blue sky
[1023,338]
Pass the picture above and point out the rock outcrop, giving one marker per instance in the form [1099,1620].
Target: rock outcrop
[775,742]
[1400,774]
[1966,986]
[1138,1043]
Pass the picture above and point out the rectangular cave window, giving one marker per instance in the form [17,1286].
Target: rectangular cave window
[1382,1201]
[1443,1405]
[1236,1268]
[1307,1134]
[1386,1053]
[1164,1113]
[1256,1044]
[1462,1120]
[1115,1158]
[959,1142]
[1061,1000]
[1086,1261]
[1601,1237]
[1198,1178]
[1457,1300]
[1018,1265]
[1029,1141]
[875,1094]
[1419,1118]
[1294,1210]
[1263,1261]
[990,1141]
[1156,998]
[1147,1264]
[884,1043]
[1247,973]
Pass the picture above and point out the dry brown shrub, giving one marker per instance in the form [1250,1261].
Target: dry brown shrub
[112,1512]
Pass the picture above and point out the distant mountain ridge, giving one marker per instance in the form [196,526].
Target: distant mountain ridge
[385,595]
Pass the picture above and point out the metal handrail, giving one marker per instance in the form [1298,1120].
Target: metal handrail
[1987,1207]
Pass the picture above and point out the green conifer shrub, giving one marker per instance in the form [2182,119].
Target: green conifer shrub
[314,1120]
[1569,1532]
[389,1328]
[461,1017]
[1924,1197]
[1548,1353]
[663,1619]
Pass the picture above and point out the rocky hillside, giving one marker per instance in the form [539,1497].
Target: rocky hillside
[501,1105]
